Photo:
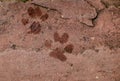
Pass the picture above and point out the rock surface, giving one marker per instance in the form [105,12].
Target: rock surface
[59,40]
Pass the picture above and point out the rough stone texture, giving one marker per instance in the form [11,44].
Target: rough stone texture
[89,46]
[21,65]
[79,10]
[96,4]
[108,3]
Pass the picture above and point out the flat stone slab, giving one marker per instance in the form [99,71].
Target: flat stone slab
[79,10]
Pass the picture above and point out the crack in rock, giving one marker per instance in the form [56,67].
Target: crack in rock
[79,10]
[108,3]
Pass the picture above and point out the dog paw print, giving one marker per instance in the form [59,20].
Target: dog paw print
[25,21]
[35,28]
[59,52]
[44,17]
[63,39]
[69,48]
[35,12]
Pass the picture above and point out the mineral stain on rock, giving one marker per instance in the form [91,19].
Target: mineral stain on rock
[31,12]
[34,12]
[56,37]
[63,39]
[38,12]
[24,21]
[69,48]
[35,28]
[44,17]
[58,54]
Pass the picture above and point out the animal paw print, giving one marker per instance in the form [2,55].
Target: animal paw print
[44,17]
[63,39]
[25,21]
[35,28]
[69,48]
[36,12]
[58,53]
